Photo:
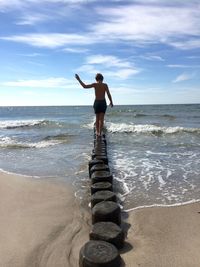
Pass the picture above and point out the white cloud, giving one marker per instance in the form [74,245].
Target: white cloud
[75,50]
[122,73]
[11,4]
[108,61]
[31,55]
[51,82]
[4,4]
[176,24]
[183,77]
[50,40]
[177,66]
[154,24]
[111,66]
[32,19]
[187,44]
[153,57]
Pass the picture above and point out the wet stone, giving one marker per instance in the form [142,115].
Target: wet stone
[103,195]
[94,162]
[106,211]
[99,167]
[99,254]
[109,232]
[101,176]
[101,186]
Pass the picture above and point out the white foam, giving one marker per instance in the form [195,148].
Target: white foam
[147,128]
[23,175]
[161,181]
[164,205]
[19,123]
[7,142]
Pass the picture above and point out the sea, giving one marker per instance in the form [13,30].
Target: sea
[153,150]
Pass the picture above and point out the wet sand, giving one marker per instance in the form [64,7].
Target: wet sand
[41,223]
[164,237]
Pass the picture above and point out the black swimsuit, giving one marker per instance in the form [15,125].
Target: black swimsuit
[100,106]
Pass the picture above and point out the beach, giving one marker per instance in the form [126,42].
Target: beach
[154,157]
[43,224]
[164,237]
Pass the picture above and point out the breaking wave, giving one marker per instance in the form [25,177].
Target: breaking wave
[148,129]
[14,124]
[11,143]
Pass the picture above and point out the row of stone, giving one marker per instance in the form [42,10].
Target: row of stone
[106,235]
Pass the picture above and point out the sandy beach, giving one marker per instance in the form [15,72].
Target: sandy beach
[42,224]
[164,237]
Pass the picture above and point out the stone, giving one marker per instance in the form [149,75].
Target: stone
[99,254]
[106,211]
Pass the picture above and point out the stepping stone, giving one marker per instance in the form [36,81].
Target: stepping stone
[101,176]
[109,232]
[101,186]
[100,144]
[98,154]
[94,162]
[99,150]
[106,211]
[104,158]
[99,167]
[99,254]
[103,195]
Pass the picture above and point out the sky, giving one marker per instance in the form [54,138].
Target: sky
[147,50]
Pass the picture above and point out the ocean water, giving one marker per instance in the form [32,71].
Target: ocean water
[154,150]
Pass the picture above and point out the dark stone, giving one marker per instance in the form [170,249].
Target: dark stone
[104,158]
[99,150]
[94,162]
[99,167]
[101,186]
[109,232]
[101,176]
[98,154]
[103,195]
[99,254]
[106,211]
[100,143]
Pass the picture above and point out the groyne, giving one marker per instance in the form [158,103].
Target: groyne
[106,235]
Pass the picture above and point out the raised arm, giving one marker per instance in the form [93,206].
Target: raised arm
[82,83]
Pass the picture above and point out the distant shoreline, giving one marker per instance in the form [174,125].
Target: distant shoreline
[167,104]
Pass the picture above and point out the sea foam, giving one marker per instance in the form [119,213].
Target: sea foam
[148,129]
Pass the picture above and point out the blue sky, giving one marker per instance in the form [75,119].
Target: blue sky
[147,50]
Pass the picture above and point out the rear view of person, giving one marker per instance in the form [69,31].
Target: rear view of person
[100,105]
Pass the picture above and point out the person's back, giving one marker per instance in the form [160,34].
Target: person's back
[100,89]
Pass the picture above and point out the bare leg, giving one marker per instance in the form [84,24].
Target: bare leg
[101,122]
[97,124]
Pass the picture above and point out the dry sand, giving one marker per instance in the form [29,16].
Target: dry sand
[41,223]
[164,237]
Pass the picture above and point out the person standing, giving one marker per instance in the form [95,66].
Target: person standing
[100,105]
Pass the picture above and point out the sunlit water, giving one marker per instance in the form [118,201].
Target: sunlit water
[154,151]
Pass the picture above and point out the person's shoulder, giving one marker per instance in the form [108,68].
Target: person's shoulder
[105,85]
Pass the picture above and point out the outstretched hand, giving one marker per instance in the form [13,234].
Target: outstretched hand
[77,77]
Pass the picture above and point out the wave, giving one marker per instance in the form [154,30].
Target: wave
[60,137]
[148,129]
[9,143]
[14,124]
[140,115]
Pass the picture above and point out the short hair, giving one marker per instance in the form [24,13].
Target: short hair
[99,77]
